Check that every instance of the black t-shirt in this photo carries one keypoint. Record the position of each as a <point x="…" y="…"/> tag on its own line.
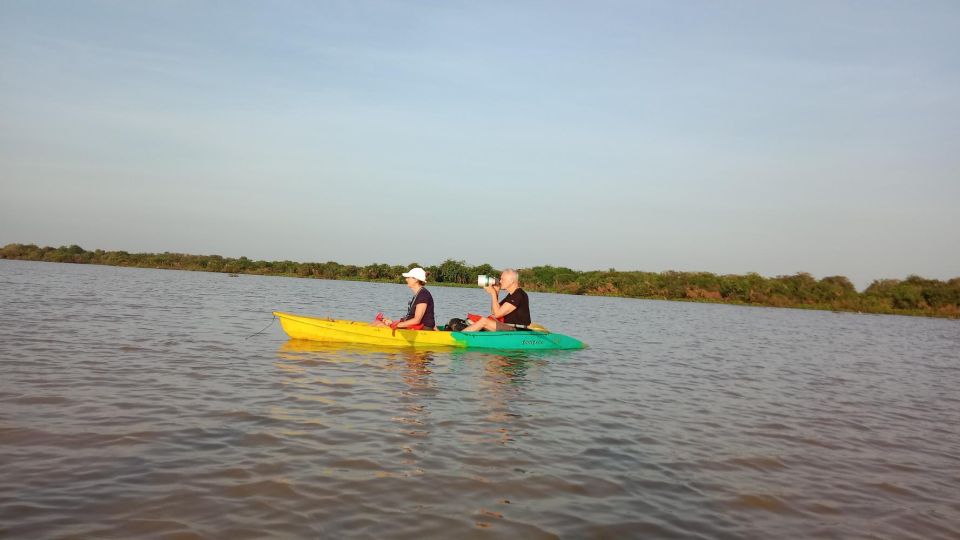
<point x="423" y="296"/>
<point x="520" y="315"/>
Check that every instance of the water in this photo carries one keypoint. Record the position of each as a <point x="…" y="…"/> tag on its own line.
<point x="132" y="405"/>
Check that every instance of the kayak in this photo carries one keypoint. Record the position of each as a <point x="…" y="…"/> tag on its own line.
<point x="318" y="329"/>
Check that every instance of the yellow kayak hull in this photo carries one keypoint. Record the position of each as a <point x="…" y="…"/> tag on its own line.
<point x="316" y="329"/>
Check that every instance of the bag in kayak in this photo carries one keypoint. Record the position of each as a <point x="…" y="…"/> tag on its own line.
<point x="456" y="325"/>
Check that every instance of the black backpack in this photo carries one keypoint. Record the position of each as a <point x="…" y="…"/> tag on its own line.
<point x="456" y="325"/>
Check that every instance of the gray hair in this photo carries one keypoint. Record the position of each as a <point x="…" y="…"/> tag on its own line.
<point x="513" y="273"/>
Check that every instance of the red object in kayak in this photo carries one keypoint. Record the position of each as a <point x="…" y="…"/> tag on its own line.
<point x="474" y="318"/>
<point x="393" y="327"/>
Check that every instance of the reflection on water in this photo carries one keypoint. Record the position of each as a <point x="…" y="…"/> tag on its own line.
<point x="512" y="369"/>
<point x="132" y="406"/>
<point x="419" y="389"/>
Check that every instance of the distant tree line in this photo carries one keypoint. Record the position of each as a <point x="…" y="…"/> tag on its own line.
<point x="911" y="296"/>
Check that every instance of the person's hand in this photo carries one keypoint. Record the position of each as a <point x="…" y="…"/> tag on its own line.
<point x="387" y="321"/>
<point x="492" y="290"/>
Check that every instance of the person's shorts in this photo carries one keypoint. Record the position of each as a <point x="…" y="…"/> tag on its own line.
<point x="504" y="327"/>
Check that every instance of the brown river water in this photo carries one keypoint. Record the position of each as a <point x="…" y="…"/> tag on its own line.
<point x="134" y="404"/>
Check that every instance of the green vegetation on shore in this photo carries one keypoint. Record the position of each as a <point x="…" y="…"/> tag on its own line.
<point x="911" y="296"/>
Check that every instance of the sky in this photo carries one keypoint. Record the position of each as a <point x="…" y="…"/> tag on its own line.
<point x="728" y="137"/>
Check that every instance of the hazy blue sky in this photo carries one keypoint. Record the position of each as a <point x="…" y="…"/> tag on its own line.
<point x="729" y="137"/>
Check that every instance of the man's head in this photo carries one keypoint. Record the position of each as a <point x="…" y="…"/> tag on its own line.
<point x="509" y="278"/>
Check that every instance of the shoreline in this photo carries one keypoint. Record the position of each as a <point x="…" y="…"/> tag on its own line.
<point x="881" y="298"/>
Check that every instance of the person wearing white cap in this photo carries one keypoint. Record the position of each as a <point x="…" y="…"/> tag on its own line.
<point x="420" y="309"/>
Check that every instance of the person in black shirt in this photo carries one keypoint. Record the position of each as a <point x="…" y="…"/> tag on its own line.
<point x="420" y="308"/>
<point x="514" y="310"/>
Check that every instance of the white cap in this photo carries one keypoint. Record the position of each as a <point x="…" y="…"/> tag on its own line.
<point x="416" y="273"/>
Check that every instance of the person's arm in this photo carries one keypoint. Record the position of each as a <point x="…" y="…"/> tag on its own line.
<point x="494" y="293"/>
<point x="496" y="310"/>
<point x="504" y="310"/>
<point x="418" y="313"/>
